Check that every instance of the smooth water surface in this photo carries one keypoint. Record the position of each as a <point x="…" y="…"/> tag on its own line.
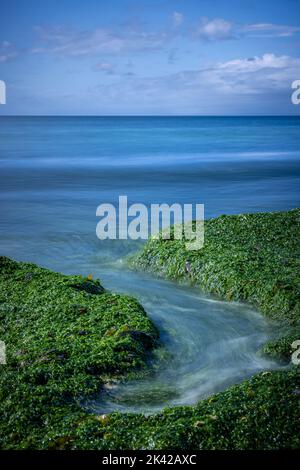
<point x="56" y="171"/>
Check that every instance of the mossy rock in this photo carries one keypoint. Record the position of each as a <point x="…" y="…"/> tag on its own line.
<point x="253" y="258"/>
<point x="54" y="327"/>
<point x="52" y="366"/>
<point x="281" y="349"/>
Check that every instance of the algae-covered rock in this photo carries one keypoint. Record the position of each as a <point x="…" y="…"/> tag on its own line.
<point x="281" y="349"/>
<point x="148" y="341"/>
<point x="52" y="364"/>
<point x="249" y="257"/>
<point x="54" y="327"/>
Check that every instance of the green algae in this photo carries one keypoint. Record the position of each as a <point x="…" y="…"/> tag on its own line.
<point x="65" y="336"/>
<point x="281" y="349"/>
<point x="253" y="258"/>
<point x="260" y="413"/>
<point x="64" y="341"/>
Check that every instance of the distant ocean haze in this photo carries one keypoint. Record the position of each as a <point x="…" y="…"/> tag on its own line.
<point x="55" y="171"/>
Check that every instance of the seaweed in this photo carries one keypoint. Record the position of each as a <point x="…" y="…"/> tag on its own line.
<point x="64" y="343"/>
<point x="253" y="258"/>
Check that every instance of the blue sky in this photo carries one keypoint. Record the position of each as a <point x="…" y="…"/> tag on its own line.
<point x="140" y="57"/>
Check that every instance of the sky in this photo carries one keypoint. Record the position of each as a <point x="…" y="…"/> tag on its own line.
<point x="149" y="57"/>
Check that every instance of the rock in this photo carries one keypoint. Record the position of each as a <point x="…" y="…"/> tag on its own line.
<point x="90" y="287"/>
<point x="147" y="340"/>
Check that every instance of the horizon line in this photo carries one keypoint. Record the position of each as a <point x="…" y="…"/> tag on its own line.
<point x="150" y="115"/>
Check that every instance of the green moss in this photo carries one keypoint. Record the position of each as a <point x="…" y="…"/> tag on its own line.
<point x="64" y="336"/>
<point x="253" y="258"/>
<point x="260" y="413"/>
<point x="281" y="349"/>
<point x="250" y="257"/>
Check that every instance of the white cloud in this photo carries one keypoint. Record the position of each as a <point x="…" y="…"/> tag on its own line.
<point x="7" y="52"/>
<point x="233" y="81"/>
<point x="270" y="29"/>
<point x="178" y="18"/>
<point x="254" y="64"/>
<point x="255" y="85"/>
<point x="98" y="41"/>
<point x="103" y="41"/>
<point x="106" y="67"/>
<point x="220" y="29"/>
<point x="134" y="38"/>
<point x="264" y="74"/>
<point x="215" y="29"/>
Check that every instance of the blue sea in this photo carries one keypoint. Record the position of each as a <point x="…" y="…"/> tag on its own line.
<point x="55" y="171"/>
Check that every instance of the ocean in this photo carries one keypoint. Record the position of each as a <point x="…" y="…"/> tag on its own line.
<point x="55" y="171"/>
